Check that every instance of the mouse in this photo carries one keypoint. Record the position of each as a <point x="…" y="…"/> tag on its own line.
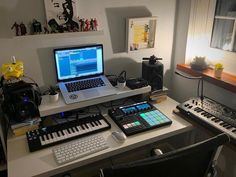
<point x="119" y="136"/>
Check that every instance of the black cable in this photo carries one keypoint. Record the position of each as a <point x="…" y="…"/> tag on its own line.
<point x="200" y="82"/>
<point x="202" y="97"/>
<point x="198" y="87"/>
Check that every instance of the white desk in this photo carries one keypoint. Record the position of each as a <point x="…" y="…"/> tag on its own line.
<point x="22" y="163"/>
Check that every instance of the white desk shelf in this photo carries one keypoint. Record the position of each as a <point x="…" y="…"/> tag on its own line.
<point x="47" y="108"/>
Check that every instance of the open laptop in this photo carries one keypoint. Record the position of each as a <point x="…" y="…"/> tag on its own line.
<point x="80" y="73"/>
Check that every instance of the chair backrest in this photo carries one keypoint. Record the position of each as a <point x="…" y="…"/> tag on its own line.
<point x="191" y="161"/>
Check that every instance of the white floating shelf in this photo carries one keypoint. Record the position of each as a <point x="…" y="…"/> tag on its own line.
<point x="61" y="35"/>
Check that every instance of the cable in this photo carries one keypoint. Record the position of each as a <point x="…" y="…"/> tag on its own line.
<point x="200" y="82"/>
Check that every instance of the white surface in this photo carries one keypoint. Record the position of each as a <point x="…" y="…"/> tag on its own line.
<point x="22" y="163"/>
<point x="47" y="108"/>
<point x="60" y="35"/>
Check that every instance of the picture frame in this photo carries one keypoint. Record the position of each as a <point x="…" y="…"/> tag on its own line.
<point x="141" y="33"/>
<point x="63" y="11"/>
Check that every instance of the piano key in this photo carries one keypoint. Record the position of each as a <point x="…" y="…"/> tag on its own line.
<point x="104" y="124"/>
<point x="90" y="128"/>
<point x="46" y="139"/>
<point x="41" y="140"/>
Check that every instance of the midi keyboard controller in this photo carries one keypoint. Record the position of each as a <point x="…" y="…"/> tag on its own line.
<point x="138" y="117"/>
<point x="211" y="113"/>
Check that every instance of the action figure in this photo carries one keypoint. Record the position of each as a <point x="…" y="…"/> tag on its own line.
<point x="91" y="25"/>
<point x="17" y="27"/>
<point x="23" y="29"/>
<point x="37" y="27"/>
<point x="95" y="24"/>
<point x="86" y="27"/>
<point x="81" y="24"/>
<point x="45" y="28"/>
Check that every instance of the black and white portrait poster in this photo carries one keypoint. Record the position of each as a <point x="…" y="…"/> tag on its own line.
<point x="63" y="11"/>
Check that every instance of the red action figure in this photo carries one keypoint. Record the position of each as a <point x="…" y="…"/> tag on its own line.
<point x="95" y="24"/>
<point x="86" y="27"/>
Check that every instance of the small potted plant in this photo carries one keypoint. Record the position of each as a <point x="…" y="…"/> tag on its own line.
<point x="218" y="68"/>
<point x="53" y="94"/>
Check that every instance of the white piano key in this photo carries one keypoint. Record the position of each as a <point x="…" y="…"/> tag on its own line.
<point x="55" y="138"/>
<point x="90" y="127"/>
<point x="41" y="140"/>
<point x="46" y="139"/>
<point x="65" y="134"/>
<point x="50" y="138"/>
<point x="104" y="124"/>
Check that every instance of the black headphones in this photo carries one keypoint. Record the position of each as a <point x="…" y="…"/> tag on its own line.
<point x="21" y="100"/>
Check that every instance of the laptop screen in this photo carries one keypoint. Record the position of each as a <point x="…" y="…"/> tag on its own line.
<point x="77" y="62"/>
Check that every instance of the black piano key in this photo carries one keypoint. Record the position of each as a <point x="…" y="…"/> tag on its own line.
<point x="86" y="126"/>
<point x="57" y="132"/>
<point x="222" y="123"/>
<point x="72" y="129"/>
<point x="99" y="122"/>
<point x="217" y="120"/>
<point x="62" y="133"/>
<point x="50" y="136"/>
<point x="93" y="124"/>
<point x="229" y="127"/>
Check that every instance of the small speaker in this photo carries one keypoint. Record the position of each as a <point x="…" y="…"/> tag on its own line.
<point x="153" y="73"/>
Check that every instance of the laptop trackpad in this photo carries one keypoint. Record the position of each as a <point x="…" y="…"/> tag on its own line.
<point x="90" y="93"/>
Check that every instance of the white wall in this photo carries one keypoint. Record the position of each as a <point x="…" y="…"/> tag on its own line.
<point x="36" y="52"/>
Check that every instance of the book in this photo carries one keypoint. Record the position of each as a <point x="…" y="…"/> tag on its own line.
<point x="163" y="91"/>
<point x="158" y="98"/>
<point x="22" y="130"/>
<point x="26" y="122"/>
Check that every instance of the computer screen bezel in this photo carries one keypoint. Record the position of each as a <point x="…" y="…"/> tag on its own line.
<point x="77" y="47"/>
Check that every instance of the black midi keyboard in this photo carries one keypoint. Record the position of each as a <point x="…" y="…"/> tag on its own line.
<point x="56" y="134"/>
<point x="211" y="113"/>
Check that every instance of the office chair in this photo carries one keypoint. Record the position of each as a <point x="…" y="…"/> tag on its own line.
<point x="196" y="160"/>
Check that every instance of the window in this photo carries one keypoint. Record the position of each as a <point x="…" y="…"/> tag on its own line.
<point x="224" y="28"/>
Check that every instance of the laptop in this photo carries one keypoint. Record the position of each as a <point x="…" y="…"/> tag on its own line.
<point x="80" y="73"/>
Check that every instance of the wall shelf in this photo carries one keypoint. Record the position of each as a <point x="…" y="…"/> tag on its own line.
<point x="61" y="35"/>
<point x="227" y="81"/>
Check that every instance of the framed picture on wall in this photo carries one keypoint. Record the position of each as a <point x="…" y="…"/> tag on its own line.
<point x="141" y="33"/>
<point x="61" y="12"/>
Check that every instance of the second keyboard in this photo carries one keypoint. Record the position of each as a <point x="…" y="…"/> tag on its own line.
<point x="49" y="136"/>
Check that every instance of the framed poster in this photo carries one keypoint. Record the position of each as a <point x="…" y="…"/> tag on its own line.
<point x="141" y="33"/>
<point x="63" y="12"/>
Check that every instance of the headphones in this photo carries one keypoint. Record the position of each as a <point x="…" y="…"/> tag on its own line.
<point x="21" y="100"/>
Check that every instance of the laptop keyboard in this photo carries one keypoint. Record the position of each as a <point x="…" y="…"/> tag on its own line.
<point x="84" y="84"/>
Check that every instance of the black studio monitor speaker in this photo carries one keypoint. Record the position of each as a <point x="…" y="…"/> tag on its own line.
<point x="152" y="71"/>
